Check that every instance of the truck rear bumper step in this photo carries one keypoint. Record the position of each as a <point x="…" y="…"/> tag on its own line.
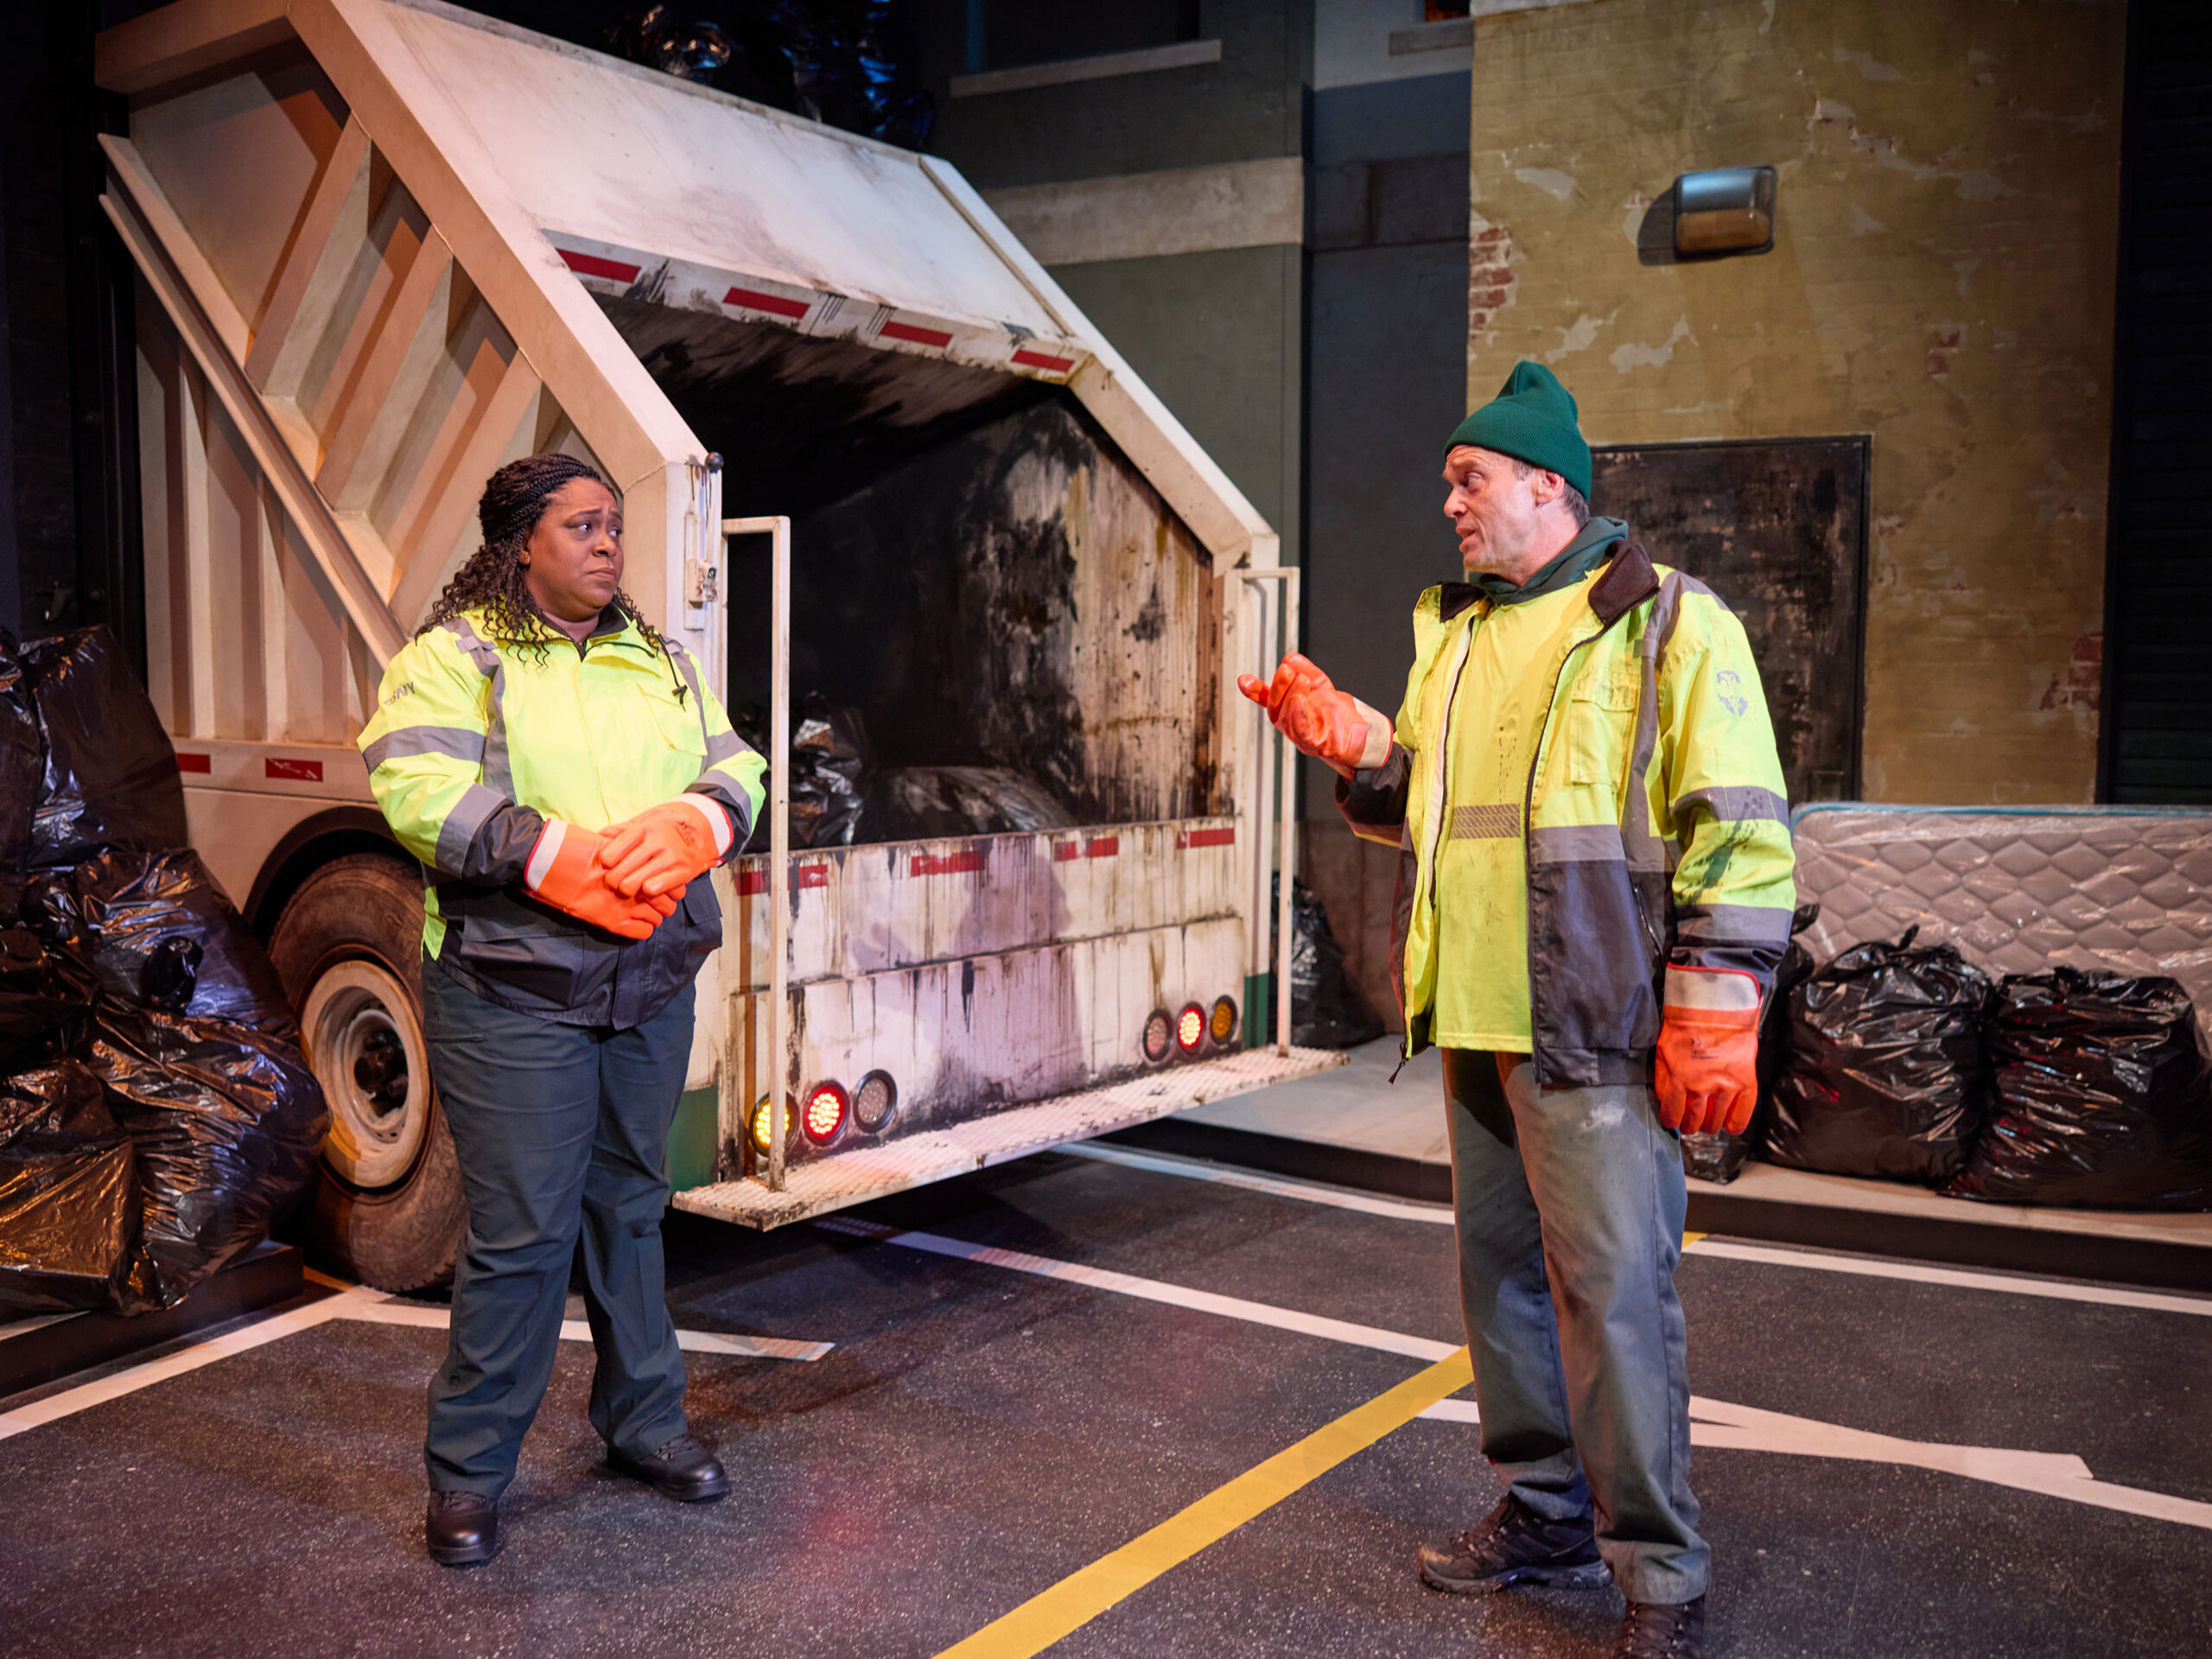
<point x="855" y="1177"/>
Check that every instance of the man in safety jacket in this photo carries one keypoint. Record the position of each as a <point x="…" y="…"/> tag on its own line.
<point x="1595" y="888"/>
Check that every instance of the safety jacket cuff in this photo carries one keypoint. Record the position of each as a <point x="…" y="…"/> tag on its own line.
<point x="1375" y="798"/>
<point x="543" y="855"/>
<point x="1712" y="991"/>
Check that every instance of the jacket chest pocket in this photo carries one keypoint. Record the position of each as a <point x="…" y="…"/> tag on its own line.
<point x="677" y="723"/>
<point x="1600" y="721"/>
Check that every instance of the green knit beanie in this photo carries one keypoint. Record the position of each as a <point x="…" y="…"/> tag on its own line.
<point x="1532" y="419"/>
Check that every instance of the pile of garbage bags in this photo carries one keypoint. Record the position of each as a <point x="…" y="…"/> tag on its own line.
<point x="156" y="1112"/>
<point x="2072" y="1087"/>
<point x="847" y="63"/>
<point x="841" y="795"/>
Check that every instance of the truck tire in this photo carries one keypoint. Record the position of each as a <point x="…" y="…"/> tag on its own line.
<point x="389" y="1210"/>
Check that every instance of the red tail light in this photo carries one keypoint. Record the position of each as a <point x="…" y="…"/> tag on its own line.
<point x="824" y="1112"/>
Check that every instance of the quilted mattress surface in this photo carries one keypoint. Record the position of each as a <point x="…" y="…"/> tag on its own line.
<point x="2018" y="890"/>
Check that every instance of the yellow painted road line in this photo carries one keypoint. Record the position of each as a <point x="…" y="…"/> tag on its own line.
<point x="1080" y="1598"/>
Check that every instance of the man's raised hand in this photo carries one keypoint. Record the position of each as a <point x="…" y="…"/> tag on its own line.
<point x="1318" y="720"/>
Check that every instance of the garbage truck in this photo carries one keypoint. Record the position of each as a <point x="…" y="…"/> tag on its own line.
<point x="868" y="451"/>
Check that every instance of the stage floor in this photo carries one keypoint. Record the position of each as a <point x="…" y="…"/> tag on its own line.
<point x="1053" y="1411"/>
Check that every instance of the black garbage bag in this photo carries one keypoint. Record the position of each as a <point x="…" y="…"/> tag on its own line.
<point x="830" y="761"/>
<point x="111" y="777"/>
<point x="832" y="766"/>
<point x="926" y="803"/>
<point x="156" y="931"/>
<point x="21" y="762"/>
<point x="2104" y="1095"/>
<point x="226" y="1124"/>
<point x="1884" y="1074"/>
<point x="46" y="1004"/>
<point x="68" y="1204"/>
<point x="1720" y="1157"/>
<point x="853" y="65"/>
<point x="1327" y="1010"/>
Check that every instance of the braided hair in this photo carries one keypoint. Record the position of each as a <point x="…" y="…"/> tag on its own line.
<point x="515" y="498"/>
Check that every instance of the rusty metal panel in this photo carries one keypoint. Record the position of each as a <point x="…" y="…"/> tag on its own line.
<point x="988" y="1031"/>
<point x="1777" y="528"/>
<point x="871" y="909"/>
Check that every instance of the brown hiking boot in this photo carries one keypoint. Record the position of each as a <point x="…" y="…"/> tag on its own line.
<point x="1662" y="1630"/>
<point x="1513" y="1545"/>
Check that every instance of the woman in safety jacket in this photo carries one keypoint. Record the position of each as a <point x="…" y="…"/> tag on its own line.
<point x="567" y="779"/>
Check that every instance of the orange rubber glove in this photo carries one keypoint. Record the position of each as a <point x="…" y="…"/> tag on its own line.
<point x="562" y="871"/>
<point x="664" y="846"/>
<point x="1707" y="1073"/>
<point x="1318" y="720"/>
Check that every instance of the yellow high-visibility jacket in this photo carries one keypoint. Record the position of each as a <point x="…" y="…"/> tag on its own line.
<point x="1655" y="830"/>
<point x="477" y="742"/>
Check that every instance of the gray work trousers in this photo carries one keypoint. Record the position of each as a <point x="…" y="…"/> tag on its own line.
<point x="559" y="1131"/>
<point x="1570" y="1205"/>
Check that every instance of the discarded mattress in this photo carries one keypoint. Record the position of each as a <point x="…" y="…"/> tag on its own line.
<point x="2126" y="890"/>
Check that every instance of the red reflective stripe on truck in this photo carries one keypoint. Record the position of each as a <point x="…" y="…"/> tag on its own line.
<point x="590" y="264"/>
<point x="304" y="771"/>
<point x="1096" y="846"/>
<point x="195" y="763"/>
<point x="753" y="299"/>
<point x="919" y="336"/>
<point x="802" y="876"/>
<point x="965" y="863"/>
<point x="1225" y="836"/>
<point x="1030" y="359"/>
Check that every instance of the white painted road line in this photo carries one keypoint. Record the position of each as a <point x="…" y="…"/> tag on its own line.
<point x="1312" y="1192"/>
<point x="430" y="1317"/>
<point x="70" y="1401"/>
<point x="357" y="1303"/>
<point x="1770" y="1256"/>
<point x="2051" y="1290"/>
<point x="1152" y="1290"/>
<point x="1716" y="1423"/>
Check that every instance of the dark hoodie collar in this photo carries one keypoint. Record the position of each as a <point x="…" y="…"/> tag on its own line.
<point x="1627" y="581"/>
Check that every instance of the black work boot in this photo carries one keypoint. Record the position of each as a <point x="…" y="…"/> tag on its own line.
<point x="1662" y="1630"/>
<point x="1513" y="1545"/>
<point x="463" y="1528"/>
<point x="682" y="1469"/>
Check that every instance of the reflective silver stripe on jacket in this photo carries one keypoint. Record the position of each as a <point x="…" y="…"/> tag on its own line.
<point x="1732" y="924"/>
<point x="470" y="813"/>
<point x="1737" y="804"/>
<point x="457" y="742"/>
<point x="498" y="771"/>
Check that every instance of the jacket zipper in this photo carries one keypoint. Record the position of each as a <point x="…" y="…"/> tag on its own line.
<point x="1440" y="794"/>
<point x="1528" y="811"/>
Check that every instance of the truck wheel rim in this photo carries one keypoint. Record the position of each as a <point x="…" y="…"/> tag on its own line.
<point x="364" y="1045"/>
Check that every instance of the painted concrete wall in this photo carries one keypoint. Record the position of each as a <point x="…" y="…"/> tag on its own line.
<point x="1214" y="326"/>
<point x="1942" y="278"/>
<point x="1385" y="373"/>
